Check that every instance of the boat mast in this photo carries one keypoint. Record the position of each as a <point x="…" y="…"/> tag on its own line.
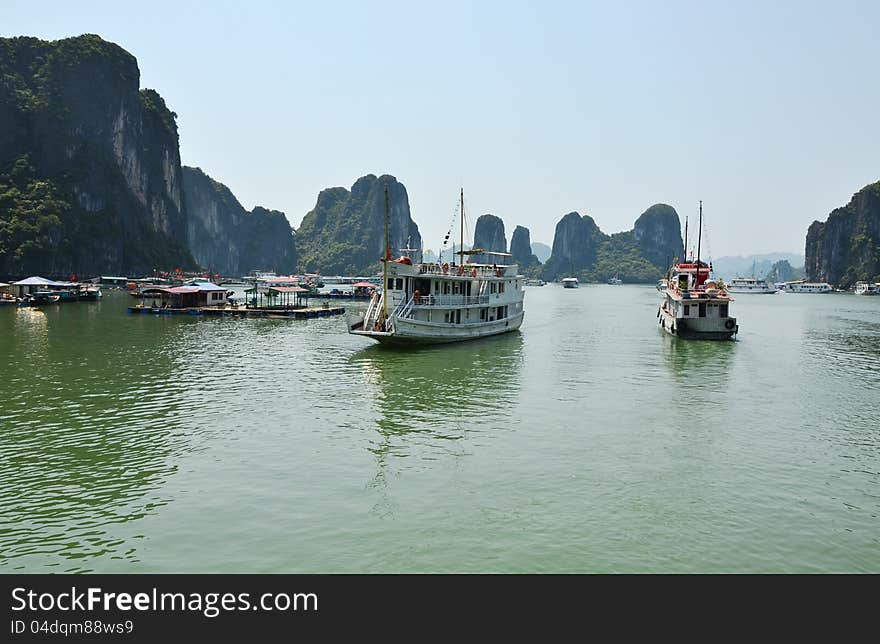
<point x="685" y="258"/>
<point x="385" y="263"/>
<point x="699" y="237"/>
<point x="461" y="246"/>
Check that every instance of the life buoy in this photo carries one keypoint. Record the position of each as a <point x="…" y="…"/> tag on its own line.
<point x="729" y="324"/>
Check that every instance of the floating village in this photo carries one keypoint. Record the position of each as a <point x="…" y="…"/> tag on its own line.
<point x="479" y="293"/>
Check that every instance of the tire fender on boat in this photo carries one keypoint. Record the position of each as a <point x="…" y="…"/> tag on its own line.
<point x="729" y="324"/>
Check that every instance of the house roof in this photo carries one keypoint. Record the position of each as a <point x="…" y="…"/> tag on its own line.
<point x="36" y="281"/>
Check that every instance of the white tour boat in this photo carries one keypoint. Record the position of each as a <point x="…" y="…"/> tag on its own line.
<point x="695" y="307"/>
<point x="802" y="286"/>
<point x="866" y="288"/>
<point x="570" y="282"/>
<point x="615" y="281"/>
<point x="435" y="303"/>
<point x="661" y="285"/>
<point x="750" y="285"/>
<point x="535" y="282"/>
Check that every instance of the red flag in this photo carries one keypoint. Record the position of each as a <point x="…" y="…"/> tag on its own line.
<point x="73" y="277"/>
<point x="388" y="253"/>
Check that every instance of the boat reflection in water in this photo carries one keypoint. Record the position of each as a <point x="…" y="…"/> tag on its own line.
<point x="426" y="402"/>
<point x="703" y="364"/>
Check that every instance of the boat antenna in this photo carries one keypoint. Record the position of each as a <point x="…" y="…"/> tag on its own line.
<point x="461" y="247"/>
<point x="385" y="264"/>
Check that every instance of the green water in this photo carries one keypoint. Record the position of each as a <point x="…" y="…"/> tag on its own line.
<point x="588" y="441"/>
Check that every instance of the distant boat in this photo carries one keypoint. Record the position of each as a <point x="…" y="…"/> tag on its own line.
<point x="616" y="279"/>
<point x="570" y="282"/>
<point x="661" y="285"/>
<point x="866" y="288"/>
<point x="535" y="282"/>
<point x="802" y="286"/>
<point x="750" y="285"/>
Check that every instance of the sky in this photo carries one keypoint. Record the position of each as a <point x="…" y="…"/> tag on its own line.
<point x="765" y="111"/>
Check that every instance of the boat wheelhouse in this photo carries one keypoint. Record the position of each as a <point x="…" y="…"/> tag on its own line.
<point x="432" y="303"/>
<point x="750" y="285"/>
<point x="570" y="282"/>
<point x="866" y="288"/>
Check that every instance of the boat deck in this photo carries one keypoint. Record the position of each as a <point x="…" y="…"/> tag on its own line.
<point x="242" y="312"/>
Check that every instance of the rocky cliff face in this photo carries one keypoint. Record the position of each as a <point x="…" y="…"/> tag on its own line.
<point x="489" y="234"/>
<point x="574" y="246"/>
<point x="846" y="248"/>
<point x="344" y="233"/>
<point x="658" y="234"/>
<point x="89" y="162"/>
<point x="521" y="248"/>
<point x="227" y="239"/>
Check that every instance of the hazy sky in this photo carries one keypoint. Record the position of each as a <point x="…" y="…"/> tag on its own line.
<point x="767" y="111"/>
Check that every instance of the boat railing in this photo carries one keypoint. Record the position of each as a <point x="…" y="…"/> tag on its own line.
<point x="467" y="270"/>
<point x="450" y="300"/>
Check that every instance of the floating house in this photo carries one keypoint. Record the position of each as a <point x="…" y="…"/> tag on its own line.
<point x="192" y="295"/>
<point x="39" y="290"/>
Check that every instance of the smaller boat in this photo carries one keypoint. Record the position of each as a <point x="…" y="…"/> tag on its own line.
<point x="39" y="298"/>
<point x="696" y="307"/>
<point x="533" y="282"/>
<point x="866" y="288"/>
<point x="661" y="285"/>
<point x="750" y="285"/>
<point x="615" y="281"/>
<point x="570" y="282"/>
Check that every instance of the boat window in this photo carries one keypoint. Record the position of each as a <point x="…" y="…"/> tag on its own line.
<point x="399" y="283"/>
<point x="390" y="283"/>
<point x="458" y="316"/>
<point x="501" y="287"/>
<point x="723" y="310"/>
<point x="687" y="309"/>
<point x="702" y="309"/>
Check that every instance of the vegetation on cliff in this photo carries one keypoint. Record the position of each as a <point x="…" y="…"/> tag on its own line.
<point x="89" y="163"/>
<point x="846" y="248"/>
<point x="344" y="233"/>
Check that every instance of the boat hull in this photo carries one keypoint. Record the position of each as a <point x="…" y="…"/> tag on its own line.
<point x="697" y="328"/>
<point x="408" y="333"/>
